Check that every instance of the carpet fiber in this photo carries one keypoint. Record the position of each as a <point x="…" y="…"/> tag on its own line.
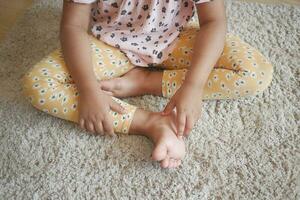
<point x="246" y="148"/>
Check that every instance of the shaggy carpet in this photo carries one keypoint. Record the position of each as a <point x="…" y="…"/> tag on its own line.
<point x="246" y="148"/>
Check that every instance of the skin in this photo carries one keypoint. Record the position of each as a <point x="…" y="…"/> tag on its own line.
<point x="163" y="127"/>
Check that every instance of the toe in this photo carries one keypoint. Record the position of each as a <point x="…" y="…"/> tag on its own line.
<point x="165" y="163"/>
<point x="159" y="153"/>
<point x="171" y="163"/>
<point x="177" y="163"/>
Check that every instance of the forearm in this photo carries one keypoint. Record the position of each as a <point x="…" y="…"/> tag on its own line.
<point x="77" y="55"/>
<point x="208" y="47"/>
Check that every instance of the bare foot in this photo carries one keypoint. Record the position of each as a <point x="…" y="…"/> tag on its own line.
<point x="136" y="82"/>
<point x="169" y="149"/>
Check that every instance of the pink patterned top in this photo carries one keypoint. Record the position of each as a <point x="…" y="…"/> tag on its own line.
<point x="145" y="30"/>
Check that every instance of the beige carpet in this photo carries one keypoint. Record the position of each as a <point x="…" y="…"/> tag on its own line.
<point x="241" y="149"/>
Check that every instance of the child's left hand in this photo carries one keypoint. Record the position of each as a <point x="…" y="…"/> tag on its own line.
<point x="188" y="103"/>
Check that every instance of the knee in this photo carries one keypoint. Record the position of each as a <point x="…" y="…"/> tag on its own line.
<point x="266" y="72"/>
<point x="35" y="85"/>
<point x="258" y="67"/>
<point x="259" y="77"/>
<point x="28" y="83"/>
<point x="254" y="71"/>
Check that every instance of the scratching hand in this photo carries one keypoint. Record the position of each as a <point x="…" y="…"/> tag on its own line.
<point x="188" y="103"/>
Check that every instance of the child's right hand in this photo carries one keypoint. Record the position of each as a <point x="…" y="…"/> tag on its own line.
<point x="94" y="107"/>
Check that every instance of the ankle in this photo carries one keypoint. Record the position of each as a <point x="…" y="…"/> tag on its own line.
<point x="140" y="122"/>
<point x="145" y="80"/>
<point x="152" y="82"/>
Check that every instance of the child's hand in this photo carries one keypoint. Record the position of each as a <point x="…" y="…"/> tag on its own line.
<point x="94" y="107"/>
<point x="188" y="103"/>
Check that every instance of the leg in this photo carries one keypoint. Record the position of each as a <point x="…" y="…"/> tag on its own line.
<point x="161" y="130"/>
<point x="50" y="88"/>
<point x="136" y="82"/>
<point x="240" y="71"/>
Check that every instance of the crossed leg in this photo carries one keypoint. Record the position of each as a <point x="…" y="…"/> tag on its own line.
<point x="50" y="88"/>
<point x="240" y="71"/>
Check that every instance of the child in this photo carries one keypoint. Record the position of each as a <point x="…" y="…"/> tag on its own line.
<point x="127" y="37"/>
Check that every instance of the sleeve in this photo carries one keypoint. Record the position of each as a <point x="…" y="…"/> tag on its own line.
<point x="82" y="1"/>
<point x="201" y="1"/>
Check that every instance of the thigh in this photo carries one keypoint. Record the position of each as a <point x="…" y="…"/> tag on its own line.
<point x="241" y="70"/>
<point x="181" y="55"/>
<point x="108" y="61"/>
<point x="50" y="88"/>
<point x="61" y="100"/>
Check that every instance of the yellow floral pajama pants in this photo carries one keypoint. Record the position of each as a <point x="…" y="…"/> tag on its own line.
<point x="240" y="71"/>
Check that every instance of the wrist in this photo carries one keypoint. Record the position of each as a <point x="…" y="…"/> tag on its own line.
<point x="196" y="79"/>
<point x="89" y="88"/>
<point x="199" y="86"/>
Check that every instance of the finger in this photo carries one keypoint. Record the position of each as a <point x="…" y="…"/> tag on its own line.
<point x="106" y="85"/>
<point x="188" y="125"/>
<point x="99" y="128"/>
<point x="168" y="109"/>
<point x="89" y="126"/>
<point x="181" y="118"/>
<point x="108" y="126"/>
<point x="117" y="107"/>
<point x="81" y="123"/>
